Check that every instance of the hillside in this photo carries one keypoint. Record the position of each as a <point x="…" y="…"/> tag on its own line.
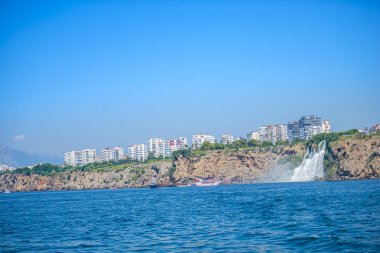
<point x="348" y="157"/>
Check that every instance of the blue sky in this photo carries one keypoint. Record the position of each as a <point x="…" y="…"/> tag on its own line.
<point x="78" y="74"/>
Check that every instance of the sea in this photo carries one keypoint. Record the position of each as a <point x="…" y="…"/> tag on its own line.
<point x="333" y="216"/>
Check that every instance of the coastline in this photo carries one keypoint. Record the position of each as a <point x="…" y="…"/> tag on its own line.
<point x="348" y="158"/>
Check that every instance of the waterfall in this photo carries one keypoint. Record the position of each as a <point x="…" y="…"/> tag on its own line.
<point x="312" y="164"/>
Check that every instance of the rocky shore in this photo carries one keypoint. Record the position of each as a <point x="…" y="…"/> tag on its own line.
<point x="348" y="158"/>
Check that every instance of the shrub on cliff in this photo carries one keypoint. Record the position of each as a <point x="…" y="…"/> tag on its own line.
<point x="266" y="144"/>
<point x="186" y="153"/>
<point x="329" y="137"/>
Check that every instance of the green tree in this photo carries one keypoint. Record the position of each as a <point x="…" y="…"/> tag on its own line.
<point x="240" y="143"/>
<point x="266" y="144"/>
<point x="281" y="143"/>
<point x="186" y="153"/>
<point x="206" y="146"/>
<point x="253" y="143"/>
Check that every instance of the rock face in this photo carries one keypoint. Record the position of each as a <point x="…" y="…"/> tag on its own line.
<point x="348" y="158"/>
<point x="134" y="176"/>
<point x="243" y="166"/>
<point x="355" y="158"/>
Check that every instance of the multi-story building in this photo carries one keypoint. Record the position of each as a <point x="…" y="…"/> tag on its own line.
<point x="80" y="157"/>
<point x="199" y="139"/>
<point x="253" y="136"/>
<point x="4" y="167"/>
<point x="310" y="126"/>
<point x="326" y="126"/>
<point x="138" y="152"/>
<point x="170" y="147"/>
<point x="89" y="155"/>
<point x="164" y="148"/>
<point x="264" y="134"/>
<point x="272" y="133"/>
<point x="106" y="154"/>
<point x="374" y="129"/>
<point x="294" y="130"/>
<point x="69" y="158"/>
<point x="281" y="133"/>
<point x="306" y="127"/>
<point x="118" y="153"/>
<point x="182" y="143"/>
<point x="227" y="139"/>
<point x="115" y="153"/>
<point x="156" y="147"/>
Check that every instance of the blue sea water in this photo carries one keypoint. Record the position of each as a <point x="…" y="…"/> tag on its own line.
<point x="283" y="217"/>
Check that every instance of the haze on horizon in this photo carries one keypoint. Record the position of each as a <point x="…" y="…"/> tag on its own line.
<point x="91" y="74"/>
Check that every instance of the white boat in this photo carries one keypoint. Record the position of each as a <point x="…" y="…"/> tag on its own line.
<point x="207" y="182"/>
<point x="153" y="183"/>
<point x="7" y="191"/>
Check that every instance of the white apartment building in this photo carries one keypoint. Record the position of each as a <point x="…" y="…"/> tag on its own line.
<point x="156" y="147"/>
<point x="272" y="133"/>
<point x="138" y="152"/>
<point x="170" y="147"/>
<point x="80" y="157"/>
<point x="115" y="153"/>
<point x="227" y="139"/>
<point x="106" y="155"/>
<point x="253" y="136"/>
<point x="89" y="155"/>
<point x="118" y="153"/>
<point x="263" y="134"/>
<point x="326" y="126"/>
<point x="182" y="143"/>
<point x="281" y="133"/>
<point x="160" y="147"/>
<point x="4" y="167"/>
<point x="199" y="139"/>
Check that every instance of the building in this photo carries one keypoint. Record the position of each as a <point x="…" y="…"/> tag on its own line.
<point x="115" y="153"/>
<point x="306" y="127"/>
<point x="281" y="133"/>
<point x="4" y="167"/>
<point x="79" y="157"/>
<point x="182" y="143"/>
<point x="156" y="147"/>
<point x="227" y="139"/>
<point x="138" y="152"/>
<point x="118" y="153"/>
<point x="199" y="139"/>
<point x="272" y="133"/>
<point x="374" y="129"/>
<point x="310" y="126"/>
<point x="89" y="155"/>
<point x="326" y="126"/>
<point x="170" y="147"/>
<point x="294" y="131"/>
<point x="253" y="136"/>
<point x="263" y="134"/>
<point x="106" y="155"/>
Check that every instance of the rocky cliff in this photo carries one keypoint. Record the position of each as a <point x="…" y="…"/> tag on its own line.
<point x="129" y="177"/>
<point x="354" y="158"/>
<point x="347" y="158"/>
<point x="242" y="166"/>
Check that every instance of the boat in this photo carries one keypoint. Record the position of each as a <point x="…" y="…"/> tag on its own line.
<point x="185" y="185"/>
<point x="153" y="183"/>
<point x="207" y="182"/>
<point x="7" y="191"/>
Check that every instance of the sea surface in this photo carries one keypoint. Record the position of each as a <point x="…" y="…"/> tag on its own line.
<point x="339" y="216"/>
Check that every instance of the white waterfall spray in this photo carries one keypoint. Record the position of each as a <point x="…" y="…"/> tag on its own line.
<point x="312" y="165"/>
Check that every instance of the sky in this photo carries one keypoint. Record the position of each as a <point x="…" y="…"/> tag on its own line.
<point x="91" y="74"/>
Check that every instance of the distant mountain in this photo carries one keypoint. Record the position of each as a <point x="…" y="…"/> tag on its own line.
<point x="17" y="158"/>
